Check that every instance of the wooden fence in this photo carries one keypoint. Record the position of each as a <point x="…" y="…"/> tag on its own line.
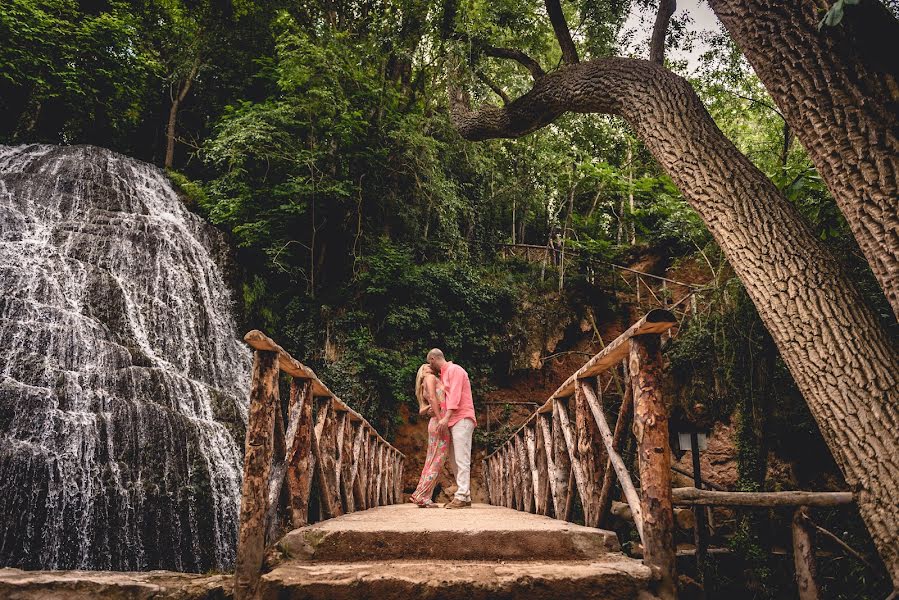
<point x="646" y="290"/>
<point x="566" y="450"/>
<point x="309" y="458"/>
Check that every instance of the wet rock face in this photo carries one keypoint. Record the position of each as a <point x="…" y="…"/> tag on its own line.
<point x="123" y="384"/>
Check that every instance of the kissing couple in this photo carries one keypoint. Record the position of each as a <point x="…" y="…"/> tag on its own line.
<point x="443" y="391"/>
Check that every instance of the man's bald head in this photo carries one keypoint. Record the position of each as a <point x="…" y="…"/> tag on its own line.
<point x="436" y="360"/>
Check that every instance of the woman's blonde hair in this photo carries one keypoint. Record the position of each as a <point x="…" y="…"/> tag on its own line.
<point x="423" y="371"/>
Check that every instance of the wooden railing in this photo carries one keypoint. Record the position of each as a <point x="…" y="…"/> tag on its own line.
<point x="646" y="290"/>
<point x="567" y="448"/>
<point x="307" y="459"/>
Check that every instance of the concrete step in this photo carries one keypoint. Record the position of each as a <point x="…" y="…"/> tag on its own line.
<point x="613" y="577"/>
<point x="482" y="532"/>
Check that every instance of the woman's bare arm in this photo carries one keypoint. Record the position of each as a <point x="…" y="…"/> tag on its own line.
<point x="431" y="395"/>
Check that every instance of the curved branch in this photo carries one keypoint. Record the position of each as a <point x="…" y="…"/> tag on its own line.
<point x="518" y="56"/>
<point x="495" y="88"/>
<point x="660" y="30"/>
<point x="560" y="26"/>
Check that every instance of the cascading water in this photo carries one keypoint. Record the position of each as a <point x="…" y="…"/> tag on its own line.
<point x="122" y="383"/>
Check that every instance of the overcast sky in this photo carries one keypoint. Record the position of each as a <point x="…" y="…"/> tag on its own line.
<point x="703" y="19"/>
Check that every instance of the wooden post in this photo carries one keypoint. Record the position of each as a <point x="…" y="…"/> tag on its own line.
<point x="804" y="555"/>
<point x="527" y="479"/>
<point x="562" y="463"/>
<point x="621" y="427"/>
<point x="257" y="466"/>
<point x="301" y="464"/>
<point x="654" y="458"/>
<point x="557" y="479"/>
<point x="592" y="455"/>
<point x="700" y="530"/>
<point x="577" y="468"/>
<point x="627" y="486"/>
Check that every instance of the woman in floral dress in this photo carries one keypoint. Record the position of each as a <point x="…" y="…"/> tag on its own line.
<point x="429" y="393"/>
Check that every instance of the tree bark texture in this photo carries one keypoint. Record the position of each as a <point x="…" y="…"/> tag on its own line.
<point x="653" y="459"/>
<point x="257" y="465"/>
<point x="840" y="357"/>
<point x="838" y="88"/>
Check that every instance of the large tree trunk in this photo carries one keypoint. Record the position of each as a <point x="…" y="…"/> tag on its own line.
<point x="838" y="89"/>
<point x="840" y="357"/>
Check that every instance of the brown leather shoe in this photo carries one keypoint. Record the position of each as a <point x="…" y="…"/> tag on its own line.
<point x="456" y="503"/>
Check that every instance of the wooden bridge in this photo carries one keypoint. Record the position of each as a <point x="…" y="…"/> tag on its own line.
<point x="312" y="464"/>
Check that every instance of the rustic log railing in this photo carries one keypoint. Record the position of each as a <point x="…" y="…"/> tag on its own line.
<point x="310" y="458"/>
<point x="646" y="290"/>
<point x="567" y="449"/>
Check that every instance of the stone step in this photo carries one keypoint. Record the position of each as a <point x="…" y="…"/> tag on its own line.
<point x="613" y="577"/>
<point x="482" y="532"/>
<point x="16" y="584"/>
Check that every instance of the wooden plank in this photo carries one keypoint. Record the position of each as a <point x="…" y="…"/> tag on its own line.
<point x="577" y="468"/>
<point x="804" y="556"/>
<point x="324" y="448"/>
<point x="258" y="449"/>
<point x="527" y="480"/>
<point x="509" y="476"/>
<point x="556" y="478"/>
<point x="624" y="477"/>
<point x="259" y="341"/>
<point x="357" y="476"/>
<point x="543" y="474"/>
<point x="562" y="461"/>
<point x="284" y="453"/>
<point x="692" y="496"/>
<point x="654" y="460"/>
<point x="621" y="427"/>
<point x="591" y="453"/>
<point x="301" y="464"/>
<point x="379" y="477"/>
<point x="345" y="461"/>
<point x="538" y="484"/>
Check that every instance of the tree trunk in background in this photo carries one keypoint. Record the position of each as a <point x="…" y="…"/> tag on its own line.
<point x="173" y="115"/>
<point x="838" y="89"/>
<point x="838" y="353"/>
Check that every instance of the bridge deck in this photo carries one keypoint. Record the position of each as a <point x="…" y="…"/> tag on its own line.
<point x="405" y="552"/>
<point x="396" y="552"/>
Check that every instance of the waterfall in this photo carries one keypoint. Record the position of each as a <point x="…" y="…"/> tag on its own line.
<point x="123" y="384"/>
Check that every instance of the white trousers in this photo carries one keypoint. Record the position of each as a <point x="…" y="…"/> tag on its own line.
<point x="460" y="457"/>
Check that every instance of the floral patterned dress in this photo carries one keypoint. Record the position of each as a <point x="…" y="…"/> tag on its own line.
<point x="438" y="449"/>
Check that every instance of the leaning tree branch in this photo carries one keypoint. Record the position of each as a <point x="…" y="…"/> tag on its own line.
<point x="495" y="88"/>
<point x="563" y="34"/>
<point x="660" y="30"/>
<point x="518" y="56"/>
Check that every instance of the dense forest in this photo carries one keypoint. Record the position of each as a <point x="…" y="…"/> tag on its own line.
<point x="335" y="144"/>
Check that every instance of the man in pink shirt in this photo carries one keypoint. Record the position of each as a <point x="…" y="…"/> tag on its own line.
<point x="460" y="420"/>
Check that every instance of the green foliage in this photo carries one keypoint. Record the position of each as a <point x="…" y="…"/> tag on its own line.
<point x="834" y="14"/>
<point x="86" y="74"/>
<point x="399" y="310"/>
